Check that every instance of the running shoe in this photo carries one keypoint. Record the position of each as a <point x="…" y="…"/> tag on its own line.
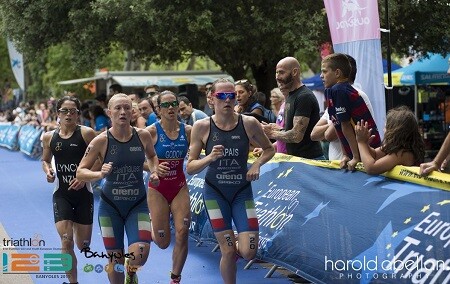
<point x="130" y="278"/>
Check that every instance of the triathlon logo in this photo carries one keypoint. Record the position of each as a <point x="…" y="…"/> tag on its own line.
<point x="113" y="150"/>
<point x="162" y="138"/>
<point x="58" y="146"/>
<point x="215" y="136"/>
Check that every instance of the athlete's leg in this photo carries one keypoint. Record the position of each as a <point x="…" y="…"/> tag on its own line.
<point x="65" y="231"/>
<point x="137" y="256"/>
<point x="244" y="217"/>
<point x="112" y="229"/>
<point x="181" y="213"/>
<point x="83" y="220"/>
<point x="137" y="226"/>
<point x="248" y="244"/>
<point x="227" y="245"/>
<point x="83" y="235"/>
<point x="218" y="209"/>
<point x="160" y="215"/>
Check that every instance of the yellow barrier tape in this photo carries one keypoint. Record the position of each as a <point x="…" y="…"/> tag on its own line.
<point x="409" y="174"/>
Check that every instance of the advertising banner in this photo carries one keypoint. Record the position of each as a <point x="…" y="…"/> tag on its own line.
<point x="329" y="225"/>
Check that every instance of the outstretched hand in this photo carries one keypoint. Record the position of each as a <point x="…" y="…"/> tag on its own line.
<point x="362" y="132"/>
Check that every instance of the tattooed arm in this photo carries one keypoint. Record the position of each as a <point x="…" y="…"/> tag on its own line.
<point x="294" y="135"/>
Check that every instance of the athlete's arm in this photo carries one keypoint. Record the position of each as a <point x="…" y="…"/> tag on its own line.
<point x="199" y="133"/>
<point x="93" y="152"/>
<point x="256" y="135"/>
<point x="152" y="158"/>
<point x="47" y="157"/>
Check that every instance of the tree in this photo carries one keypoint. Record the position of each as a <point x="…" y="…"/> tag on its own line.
<point x="418" y="26"/>
<point x="242" y="36"/>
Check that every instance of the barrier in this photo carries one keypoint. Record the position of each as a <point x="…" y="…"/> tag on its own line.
<point x="25" y="138"/>
<point x="328" y="225"/>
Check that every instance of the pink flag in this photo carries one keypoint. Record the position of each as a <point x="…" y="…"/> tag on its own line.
<point x="352" y="20"/>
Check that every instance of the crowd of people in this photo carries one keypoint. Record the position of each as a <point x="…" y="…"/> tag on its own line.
<point x="121" y="136"/>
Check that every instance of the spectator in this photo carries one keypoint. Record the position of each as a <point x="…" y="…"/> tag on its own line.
<point x="301" y="113"/>
<point x="402" y="143"/>
<point x="346" y="107"/>
<point x="147" y="111"/>
<point x="99" y="119"/>
<point x="114" y="89"/>
<point x="188" y="113"/>
<point x="209" y="107"/>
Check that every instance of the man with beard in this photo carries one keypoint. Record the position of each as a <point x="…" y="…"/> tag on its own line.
<point x="300" y="115"/>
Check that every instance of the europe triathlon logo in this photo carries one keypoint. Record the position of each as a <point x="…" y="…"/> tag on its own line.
<point x="29" y="255"/>
<point x="35" y="241"/>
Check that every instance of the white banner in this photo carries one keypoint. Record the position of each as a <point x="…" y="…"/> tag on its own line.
<point x="17" y="65"/>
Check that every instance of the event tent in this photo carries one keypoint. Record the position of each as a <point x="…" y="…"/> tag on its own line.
<point x="425" y="71"/>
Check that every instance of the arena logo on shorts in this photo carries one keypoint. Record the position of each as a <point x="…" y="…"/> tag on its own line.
<point x="129" y="194"/>
<point x="229" y="178"/>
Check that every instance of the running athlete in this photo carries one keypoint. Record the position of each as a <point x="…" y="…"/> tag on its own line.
<point x="73" y="203"/>
<point x="228" y="195"/>
<point x="171" y="140"/>
<point x="122" y="150"/>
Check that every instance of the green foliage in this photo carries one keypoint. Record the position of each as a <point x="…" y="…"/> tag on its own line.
<point x="417" y="26"/>
<point x="245" y="38"/>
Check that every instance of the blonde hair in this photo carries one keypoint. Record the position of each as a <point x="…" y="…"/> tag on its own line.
<point x="118" y="96"/>
<point x="278" y="92"/>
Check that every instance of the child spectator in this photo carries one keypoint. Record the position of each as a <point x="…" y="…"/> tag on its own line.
<point x="402" y="143"/>
<point x="346" y="107"/>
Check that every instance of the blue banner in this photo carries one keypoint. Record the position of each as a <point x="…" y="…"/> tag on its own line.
<point x="334" y="226"/>
<point x="9" y="135"/>
<point x="29" y="140"/>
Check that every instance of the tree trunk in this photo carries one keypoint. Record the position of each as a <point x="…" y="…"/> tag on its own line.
<point x="264" y="75"/>
<point x="191" y="64"/>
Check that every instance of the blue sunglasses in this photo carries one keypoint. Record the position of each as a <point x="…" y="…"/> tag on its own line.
<point x="225" y="95"/>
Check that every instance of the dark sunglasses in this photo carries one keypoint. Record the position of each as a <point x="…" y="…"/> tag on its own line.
<point x="169" y="104"/>
<point x="66" y="110"/>
<point x="225" y="95"/>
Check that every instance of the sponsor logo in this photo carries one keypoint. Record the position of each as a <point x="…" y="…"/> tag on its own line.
<point x="235" y="137"/>
<point x="340" y="110"/>
<point x="135" y="149"/>
<point x="352" y="15"/>
<point x="73" y="145"/>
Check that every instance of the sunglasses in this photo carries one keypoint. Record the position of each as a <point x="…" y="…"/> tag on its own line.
<point x="243" y="81"/>
<point x="225" y="95"/>
<point x="66" y="111"/>
<point x="169" y="104"/>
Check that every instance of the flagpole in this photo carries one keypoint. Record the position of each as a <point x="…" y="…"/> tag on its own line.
<point x="390" y="95"/>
